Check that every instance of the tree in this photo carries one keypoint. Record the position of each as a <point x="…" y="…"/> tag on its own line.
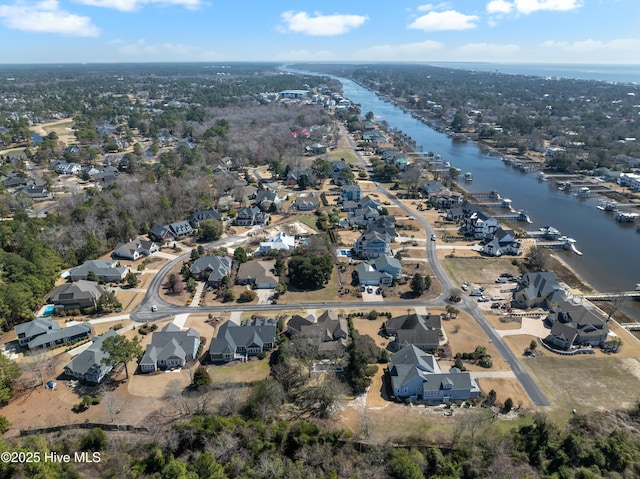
<point x="131" y="279"/>
<point x="8" y="373"/>
<point x="311" y="271"/>
<point x="119" y="349"/>
<point x="508" y="405"/>
<point x="240" y="255"/>
<point x="210" y="230"/>
<point x="346" y="177"/>
<point x="533" y="344"/>
<point x="418" y="285"/>
<point x="459" y="122"/>
<point x="201" y="378"/>
<point x="304" y="182"/>
<point x="247" y="296"/>
<point x="108" y="302"/>
<point x="321" y="168"/>
<point x="537" y="259"/>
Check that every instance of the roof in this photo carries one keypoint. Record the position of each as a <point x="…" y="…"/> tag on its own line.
<point x="78" y="290"/>
<point x="91" y="359"/>
<point x="258" y="270"/>
<point x="60" y="335"/>
<point x="218" y="266"/>
<point x="231" y="335"/>
<point x="36" y="327"/>
<point x="170" y="342"/>
<point x="101" y="268"/>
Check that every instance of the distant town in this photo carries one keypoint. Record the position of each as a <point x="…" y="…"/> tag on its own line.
<point x="237" y="272"/>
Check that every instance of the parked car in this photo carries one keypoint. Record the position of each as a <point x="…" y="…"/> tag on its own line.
<point x="475" y="292"/>
<point x="369" y="289"/>
<point x="483" y="299"/>
<point x="154" y="308"/>
<point x="465" y="287"/>
<point x="378" y="291"/>
<point x="433" y="237"/>
<point x="501" y="280"/>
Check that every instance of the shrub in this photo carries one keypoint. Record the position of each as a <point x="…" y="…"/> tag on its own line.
<point x="247" y="296"/>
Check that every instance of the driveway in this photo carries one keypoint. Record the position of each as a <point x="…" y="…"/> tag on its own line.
<point x="264" y="295"/>
<point x="534" y="327"/>
<point x="371" y="297"/>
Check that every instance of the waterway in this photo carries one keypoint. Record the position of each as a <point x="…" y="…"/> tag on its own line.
<point x="610" y="260"/>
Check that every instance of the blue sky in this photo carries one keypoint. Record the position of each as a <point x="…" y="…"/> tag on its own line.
<point x="541" y="31"/>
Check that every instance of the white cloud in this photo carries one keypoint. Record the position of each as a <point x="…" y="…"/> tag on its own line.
<point x="530" y="6"/>
<point x="140" y="48"/>
<point x="447" y="20"/>
<point x="133" y="5"/>
<point x="305" y="55"/>
<point x="427" y="7"/>
<point x="620" y="46"/>
<point x="407" y="51"/>
<point x="500" y="7"/>
<point x="46" y="17"/>
<point x="486" y="51"/>
<point x="325" y="25"/>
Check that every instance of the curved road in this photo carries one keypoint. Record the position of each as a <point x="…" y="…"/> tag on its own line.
<point x="143" y="312"/>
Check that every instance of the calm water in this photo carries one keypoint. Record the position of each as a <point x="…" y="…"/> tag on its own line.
<point x="610" y="260"/>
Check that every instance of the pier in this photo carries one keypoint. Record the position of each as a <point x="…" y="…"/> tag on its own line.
<point x="568" y="243"/>
<point x="486" y="195"/>
<point x="520" y="216"/>
<point x="611" y="296"/>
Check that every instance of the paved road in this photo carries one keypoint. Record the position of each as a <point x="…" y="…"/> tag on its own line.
<point x="144" y="313"/>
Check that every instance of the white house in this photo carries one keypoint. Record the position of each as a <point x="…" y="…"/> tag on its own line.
<point x="280" y="242"/>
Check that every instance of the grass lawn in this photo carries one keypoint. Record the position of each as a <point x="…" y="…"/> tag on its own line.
<point x="346" y="154"/>
<point x="326" y="294"/>
<point x="586" y="382"/>
<point x="309" y="220"/>
<point x="477" y="269"/>
<point x="239" y="372"/>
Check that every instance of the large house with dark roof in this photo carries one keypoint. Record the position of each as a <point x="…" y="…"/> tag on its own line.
<point x="250" y="217"/>
<point x="171" y="231"/>
<point x="574" y="325"/>
<point x="202" y="215"/>
<point x="423" y="331"/>
<point x="211" y="269"/>
<point x="239" y="341"/>
<point x="329" y="330"/>
<point x="46" y="333"/>
<point x="416" y="375"/>
<point x="538" y="290"/>
<point x="90" y="365"/>
<point x="78" y="295"/>
<point x="104" y="270"/>
<point x="381" y="270"/>
<point x="170" y="348"/>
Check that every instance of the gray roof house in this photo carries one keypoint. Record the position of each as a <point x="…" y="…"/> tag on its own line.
<point x="330" y="330"/>
<point x="45" y="333"/>
<point x="306" y="202"/>
<point x="250" y="217"/>
<point x="211" y="268"/>
<point x="372" y="244"/>
<point x="134" y="250"/>
<point x="257" y="273"/>
<point x="80" y="294"/>
<point x="88" y="365"/>
<point x="382" y="270"/>
<point x="501" y="242"/>
<point x="575" y="325"/>
<point x="239" y="341"/>
<point x="351" y="192"/>
<point x="416" y="329"/>
<point x="202" y="215"/>
<point x="105" y="270"/>
<point x="171" y="231"/>
<point x="538" y="290"/>
<point x="170" y="348"/>
<point x="416" y="375"/>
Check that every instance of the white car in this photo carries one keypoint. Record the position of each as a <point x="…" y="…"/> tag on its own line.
<point x="483" y="299"/>
<point x="501" y="280"/>
<point x="433" y="237"/>
<point x="154" y="308"/>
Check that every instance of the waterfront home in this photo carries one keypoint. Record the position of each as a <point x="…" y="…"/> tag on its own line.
<point x="415" y="375"/>
<point x="574" y="325"/>
<point x="501" y="242"/>
<point x="536" y="290"/>
<point x="480" y="224"/>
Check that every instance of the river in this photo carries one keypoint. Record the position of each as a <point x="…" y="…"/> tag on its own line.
<point x="610" y="260"/>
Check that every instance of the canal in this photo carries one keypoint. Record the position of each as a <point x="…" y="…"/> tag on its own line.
<point x="610" y="260"/>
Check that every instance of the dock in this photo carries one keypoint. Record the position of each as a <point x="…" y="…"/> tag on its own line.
<point x="568" y="243"/>
<point x="612" y="296"/>
<point x="519" y="216"/>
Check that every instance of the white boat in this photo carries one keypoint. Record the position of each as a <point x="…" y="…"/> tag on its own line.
<point x="583" y="192"/>
<point x="542" y="177"/>
<point x="468" y="176"/>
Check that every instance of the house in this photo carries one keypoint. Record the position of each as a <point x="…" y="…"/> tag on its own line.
<point x="170" y="348"/>
<point x="257" y="273"/>
<point x="36" y="192"/>
<point x="104" y="270"/>
<point x="330" y="331"/>
<point x="416" y="375"/>
<point x="45" y="333"/>
<point x="32" y="329"/>
<point x="362" y="216"/>
<point x="171" y="231"/>
<point x="574" y="325"/>
<point x="306" y="202"/>
<point x="480" y="224"/>
<point x="502" y="242"/>
<point x="376" y="238"/>
<point x="134" y="250"/>
<point x="244" y="193"/>
<point x="431" y="187"/>
<point x="211" y="269"/>
<point x="351" y="193"/>
<point x="293" y="175"/>
<point x="266" y="198"/>
<point x="420" y="330"/>
<point x="536" y="290"/>
<point x="202" y="215"/>
<point x="280" y="242"/>
<point x="336" y="168"/>
<point x="250" y="217"/>
<point x="382" y="270"/>
<point x="78" y="295"/>
<point x="90" y="365"/>
<point x="316" y="149"/>
<point x="239" y="341"/>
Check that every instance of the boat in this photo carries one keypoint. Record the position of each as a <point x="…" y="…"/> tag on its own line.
<point x="542" y="177"/>
<point x="583" y="192"/>
<point x="607" y="205"/>
<point x="625" y="217"/>
<point x="564" y="186"/>
<point x="468" y="176"/>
